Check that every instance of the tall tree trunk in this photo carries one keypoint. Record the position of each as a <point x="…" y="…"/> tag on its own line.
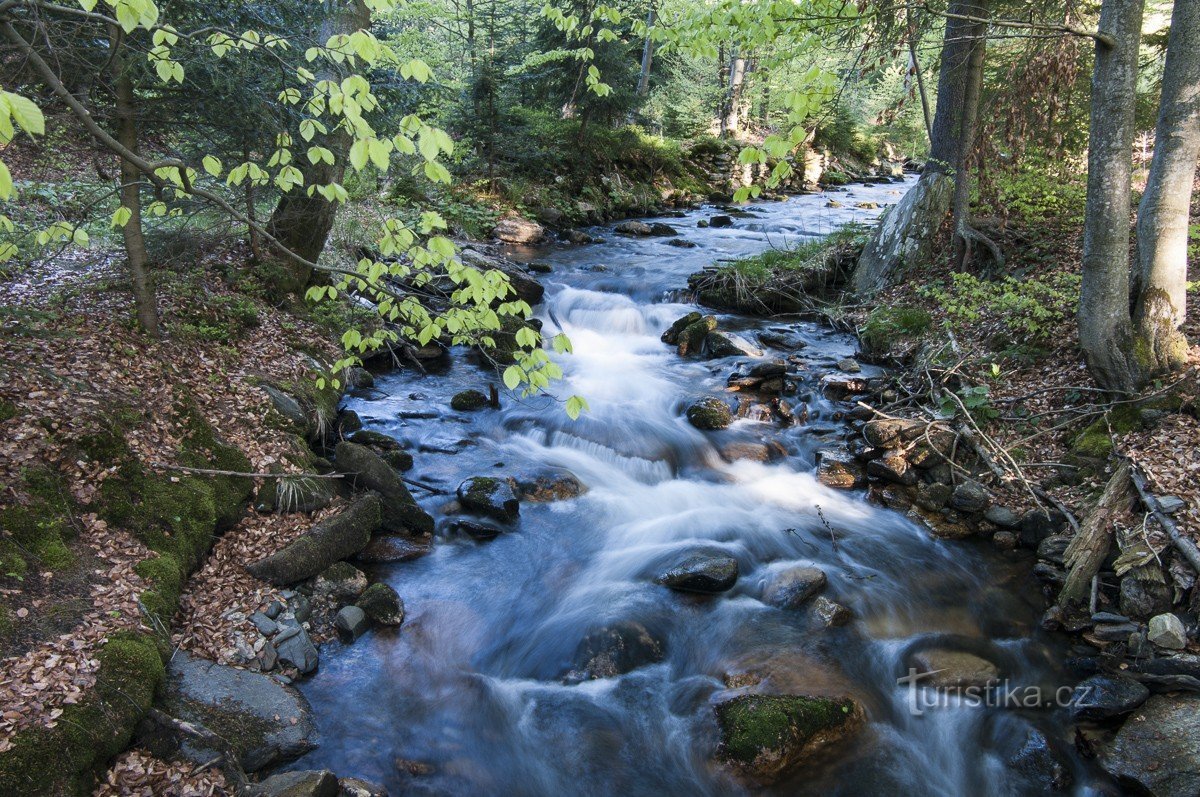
<point x="144" y="299"/>
<point x="301" y="222"/>
<point x="905" y="234"/>
<point x="1105" y="326"/>
<point x="733" y="97"/>
<point x="964" y="235"/>
<point x="1162" y="227"/>
<point x="647" y="56"/>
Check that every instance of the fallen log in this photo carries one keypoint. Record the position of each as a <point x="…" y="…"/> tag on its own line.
<point x="1091" y="544"/>
<point x="329" y="541"/>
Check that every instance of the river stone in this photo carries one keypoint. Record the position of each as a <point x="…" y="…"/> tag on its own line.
<point x="547" y="485"/>
<point x="518" y="231"/>
<point x="638" y="228"/>
<point x="1158" y="747"/>
<point x="382" y="605"/>
<point x="970" y="497"/>
<point x="329" y="541"/>
<point x="933" y="496"/>
<point x="702" y="573"/>
<point x="671" y="335"/>
<point x="394" y="548"/>
<point x="1167" y="631"/>
<point x="849" y="365"/>
<point x="1103" y="697"/>
<point x="1038" y="524"/>
<point x="322" y="783"/>
<point x="1142" y="599"/>
<point x="691" y="339"/>
<point x="400" y="460"/>
<point x="682" y="243"/>
<point x="755" y="452"/>
<point x="710" y="414"/>
<point x="614" y="650"/>
<point x="789" y="589"/>
<point x="837" y="468"/>
<point x="401" y="513"/>
<point x="469" y="401"/>
<point x="1041" y="764"/>
<point x="892" y="467"/>
<point x="829" y="613"/>
<point x="350" y="623"/>
<point x="357" y="787"/>
<point x="295" y="649"/>
<point x="766" y="737"/>
<point x="376" y="440"/>
<point x="953" y="669"/>
<point x="727" y="344"/>
<point x="661" y="229"/>
<point x="1002" y="516"/>
<point x="342" y="582"/>
<point x="720" y="221"/>
<point x="265" y="722"/>
<point x="491" y="497"/>
<point x="886" y="432"/>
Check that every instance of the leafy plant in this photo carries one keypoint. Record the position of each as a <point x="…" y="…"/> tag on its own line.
<point x="1029" y="308"/>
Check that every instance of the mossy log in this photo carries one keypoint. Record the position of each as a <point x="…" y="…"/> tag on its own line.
<point x="401" y="513"/>
<point x="329" y="541"/>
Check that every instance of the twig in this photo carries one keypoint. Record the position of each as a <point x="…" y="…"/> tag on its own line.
<point x="1185" y="546"/>
<point x="215" y="472"/>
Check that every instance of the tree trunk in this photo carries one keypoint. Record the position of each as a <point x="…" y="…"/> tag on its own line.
<point x="301" y="222"/>
<point x="1105" y="326"/>
<point x="145" y="301"/>
<point x="1162" y="227"/>
<point x="733" y="97"/>
<point x="647" y="57"/>
<point x="904" y="237"/>
<point x="961" y="202"/>
<point x="1089" y="547"/>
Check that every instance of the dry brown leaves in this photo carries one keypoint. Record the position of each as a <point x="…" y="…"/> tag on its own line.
<point x="136" y="773"/>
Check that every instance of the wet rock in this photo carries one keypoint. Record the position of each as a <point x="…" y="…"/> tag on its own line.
<point x="350" y="623"/>
<point x="836" y="468"/>
<point x="614" y="650"/>
<point x="829" y="613"/>
<point x="838" y="388"/>
<point x="867" y="205"/>
<point x="382" y="605"/>
<point x="702" y="224"/>
<point x="766" y="737"/>
<point x="342" y="582"/>
<point x="286" y="406"/>
<point x="790" y="588"/>
<point x="658" y="228"/>
<point x="682" y="244"/>
<point x="360" y="378"/>
<point x="1041" y="765"/>
<point x="767" y="370"/>
<point x="672" y="333"/>
<point x="518" y="231"/>
<point x="540" y="268"/>
<point x="893" y="468"/>
<point x="394" y="548"/>
<point x="322" y="783"/>
<point x="401" y="513"/>
<point x="1038" y="524"/>
<point x="1157" y="748"/>
<point x="349" y="422"/>
<point x="490" y="497"/>
<point x="849" y="365"/>
<point x="1003" y="517"/>
<point x="727" y="344"/>
<point x="469" y="401"/>
<point x="264" y="721"/>
<point x="934" y="496"/>
<point x="1103" y="697"/>
<point x="329" y="541"/>
<point x="357" y="787"/>
<point x="1166" y="631"/>
<point x="548" y="485"/>
<point x="953" y="669"/>
<point x="720" y="221"/>
<point x="1142" y="600"/>
<point x="476" y="530"/>
<point x="295" y="649"/>
<point x="702" y="573"/>
<point x="710" y="414"/>
<point x="637" y="228"/>
<point x="376" y="440"/>
<point x="400" y="460"/>
<point x="690" y="339"/>
<point x="1005" y="540"/>
<point x="578" y="237"/>
<point x="755" y="452"/>
<point x="945" y="525"/>
<point x="970" y="497"/>
<point x="833" y="203"/>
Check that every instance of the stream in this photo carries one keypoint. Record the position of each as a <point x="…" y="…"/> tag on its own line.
<point x="469" y="696"/>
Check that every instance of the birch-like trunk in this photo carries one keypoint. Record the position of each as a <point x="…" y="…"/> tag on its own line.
<point x="1105" y="326"/>
<point x="1162" y="228"/>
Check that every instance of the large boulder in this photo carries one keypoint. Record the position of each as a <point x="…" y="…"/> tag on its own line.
<point x="368" y="471"/>
<point x="614" y="650"/>
<point x="791" y="588"/>
<point x="490" y="497"/>
<point x="710" y="414"/>
<point x="638" y="228"/>
<point x="765" y="737"/>
<point x="263" y="721"/>
<point x="329" y="541"/>
<point x="703" y="573"/>
<point x="382" y="605"/>
<point x="515" y="230"/>
<point x="1158" y="747"/>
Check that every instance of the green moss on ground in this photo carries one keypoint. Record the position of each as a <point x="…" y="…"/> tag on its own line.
<point x="65" y="759"/>
<point x="39" y="530"/>
<point x="1096" y="441"/>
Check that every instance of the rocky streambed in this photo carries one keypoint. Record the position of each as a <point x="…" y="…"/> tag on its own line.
<point x="687" y="590"/>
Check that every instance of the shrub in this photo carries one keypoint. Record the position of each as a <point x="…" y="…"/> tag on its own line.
<point x="1032" y="309"/>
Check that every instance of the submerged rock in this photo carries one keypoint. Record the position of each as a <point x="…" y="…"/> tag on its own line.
<point x="829" y="613"/>
<point x="1157" y="748"/>
<point x="703" y="573"/>
<point x="790" y="588"/>
<point x="615" y="650"/>
<point x="548" y="485"/>
<point x="394" y="548"/>
<point x="491" y="497"/>
<point x="765" y="737"/>
<point x="710" y="414"/>
<point x="953" y="669"/>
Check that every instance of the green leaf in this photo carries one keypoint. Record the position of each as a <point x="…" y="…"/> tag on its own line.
<point x="6" y="182"/>
<point x="575" y="406"/>
<point x="213" y="165"/>
<point x="512" y="377"/>
<point x="121" y="217"/>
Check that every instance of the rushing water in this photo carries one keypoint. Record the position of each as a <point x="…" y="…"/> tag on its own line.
<point x="469" y="696"/>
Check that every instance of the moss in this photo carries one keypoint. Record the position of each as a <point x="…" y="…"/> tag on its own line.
<point x="886" y="326"/>
<point x="752" y="724"/>
<point x="709" y="414"/>
<point x="468" y="401"/>
<point x="39" y="528"/>
<point x="8" y="410"/>
<point x="65" y="759"/>
<point x="1096" y="441"/>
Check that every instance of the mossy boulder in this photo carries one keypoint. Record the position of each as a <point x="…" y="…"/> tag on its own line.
<point x="710" y="414"/>
<point x="329" y="541"/>
<point x="400" y="460"/>
<point x="382" y="605"/>
<point x="490" y="497"/>
<point x="766" y="737"/>
<point x="469" y="401"/>
<point x="673" y="332"/>
<point x="66" y="759"/>
<point x="691" y="339"/>
<point x="401" y="513"/>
